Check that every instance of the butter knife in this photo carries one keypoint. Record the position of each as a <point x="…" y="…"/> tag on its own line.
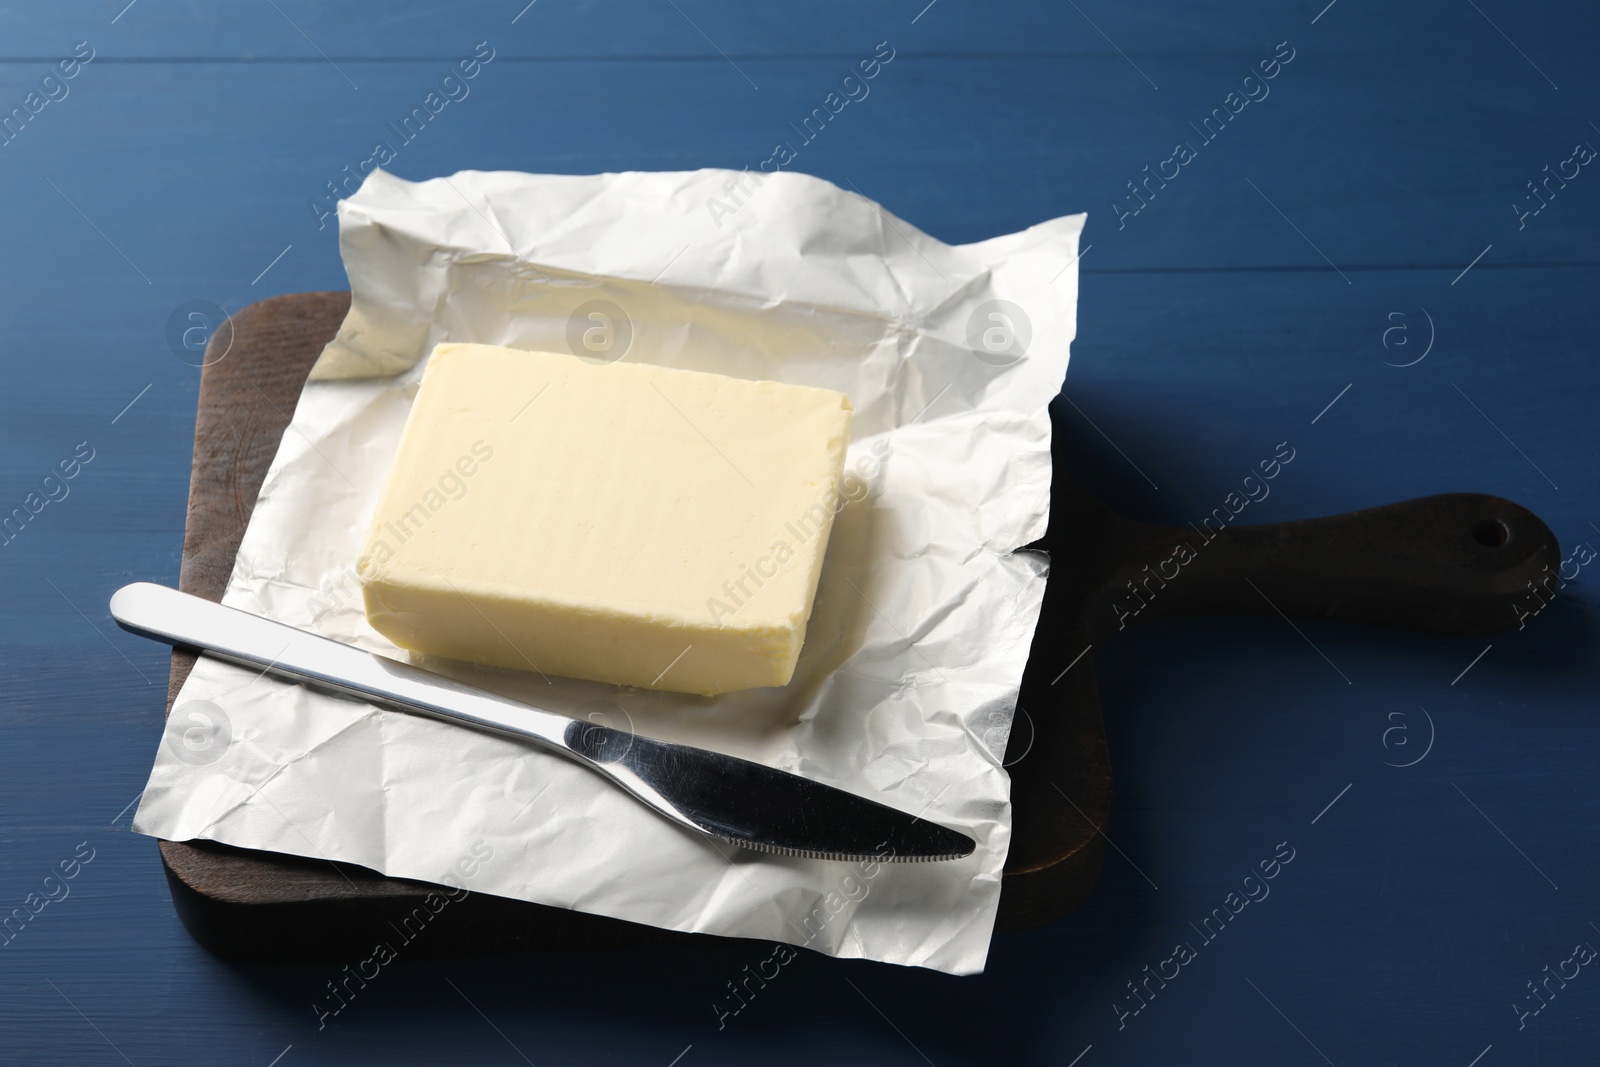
<point x="705" y="793"/>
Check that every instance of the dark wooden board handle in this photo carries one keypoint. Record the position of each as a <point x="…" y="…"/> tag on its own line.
<point x="1462" y="563"/>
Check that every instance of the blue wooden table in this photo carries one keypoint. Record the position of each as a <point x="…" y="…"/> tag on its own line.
<point x="1383" y="254"/>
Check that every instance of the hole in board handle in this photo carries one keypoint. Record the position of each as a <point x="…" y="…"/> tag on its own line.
<point x="1490" y="532"/>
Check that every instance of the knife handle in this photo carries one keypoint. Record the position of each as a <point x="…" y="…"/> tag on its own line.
<point x="239" y="637"/>
<point x="1462" y="563"/>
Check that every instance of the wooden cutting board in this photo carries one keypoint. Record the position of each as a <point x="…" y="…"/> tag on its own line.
<point x="1459" y="564"/>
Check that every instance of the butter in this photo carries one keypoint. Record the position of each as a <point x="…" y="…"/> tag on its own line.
<point x="623" y="523"/>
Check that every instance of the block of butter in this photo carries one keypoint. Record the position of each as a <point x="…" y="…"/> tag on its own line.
<point x="623" y="523"/>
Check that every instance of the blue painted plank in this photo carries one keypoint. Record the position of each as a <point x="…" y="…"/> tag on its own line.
<point x="1211" y="328"/>
<point x="1548" y="33"/>
<point x="1299" y="179"/>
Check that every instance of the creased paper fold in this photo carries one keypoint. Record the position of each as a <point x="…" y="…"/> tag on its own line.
<point x="923" y="619"/>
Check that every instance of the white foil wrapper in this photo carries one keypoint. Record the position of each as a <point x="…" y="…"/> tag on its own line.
<point x="923" y="618"/>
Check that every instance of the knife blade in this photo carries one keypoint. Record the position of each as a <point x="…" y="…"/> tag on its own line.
<point x="706" y="793"/>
